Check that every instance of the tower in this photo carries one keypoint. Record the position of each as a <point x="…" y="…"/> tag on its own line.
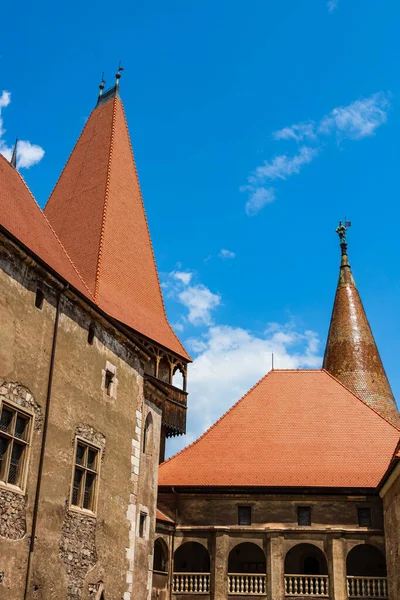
<point x="351" y="354"/>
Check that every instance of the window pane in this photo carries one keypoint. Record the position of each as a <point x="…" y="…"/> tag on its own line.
<point x="304" y="516"/>
<point x="244" y="515"/>
<point x="5" y="419"/>
<point x="80" y="454"/>
<point x="21" y="427"/>
<point x="4" y="443"/>
<point x="364" y="517"/>
<point x="16" y="458"/>
<point x="92" y="455"/>
<point x="89" y="491"/>
<point x="76" y="487"/>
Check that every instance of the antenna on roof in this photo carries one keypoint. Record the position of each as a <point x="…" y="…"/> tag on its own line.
<point x="118" y="74"/>
<point x="102" y="84"/>
<point x="13" y="161"/>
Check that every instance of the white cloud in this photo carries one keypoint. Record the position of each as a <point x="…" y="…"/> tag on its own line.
<point x="357" y="120"/>
<point x="258" y="198"/>
<point x="183" y="276"/>
<point x="332" y="5"/>
<point x="28" y="154"/>
<point x="283" y="166"/>
<point x="296" y="132"/>
<point x="226" y="253"/>
<point x="200" y="302"/>
<point x="231" y="360"/>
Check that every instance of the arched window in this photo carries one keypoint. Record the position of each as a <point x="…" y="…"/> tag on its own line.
<point x="160" y="558"/>
<point x="247" y="558"/>
<point x="148" y="435"/>
<point x="191" y="557"/>
<point x="305" y="559"/>
<point x="366" y="560"/>
<point x="178" y="379"/>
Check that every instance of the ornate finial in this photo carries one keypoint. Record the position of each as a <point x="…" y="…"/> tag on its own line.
<point x="341" y="231"/>
<point x="13" y="160"/>
<point x="102" y="84"/>
<point x="118" y="74"/>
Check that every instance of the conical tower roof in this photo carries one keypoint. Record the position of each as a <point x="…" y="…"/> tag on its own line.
<point x="351" y="354"/>
<point x="97" y="211"/>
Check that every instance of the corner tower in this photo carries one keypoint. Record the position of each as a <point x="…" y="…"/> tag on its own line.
<point x="351" y="354"/>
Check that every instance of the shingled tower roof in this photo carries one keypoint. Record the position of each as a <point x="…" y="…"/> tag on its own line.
<point x="351" y="354"/>
<point x="96" y="210"/>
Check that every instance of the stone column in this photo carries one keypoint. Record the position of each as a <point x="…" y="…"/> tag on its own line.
<point x="219" y="566"/>
<point x="337" y="570"/>
<point x="275" y="568"/>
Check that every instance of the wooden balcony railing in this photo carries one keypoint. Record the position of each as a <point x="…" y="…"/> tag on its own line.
<point x="171" y="400"/>
<point x="191" y="583"/>
<point x="249" y="584"/>
<point x="316" y="586"/>
<point x="367" y="587"/>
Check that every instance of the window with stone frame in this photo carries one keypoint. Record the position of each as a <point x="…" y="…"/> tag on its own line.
<point x="244" y="515"/>
<point x="15" y="432"/>
<point x="86" y="476"/>
<point x="304" y="516"/>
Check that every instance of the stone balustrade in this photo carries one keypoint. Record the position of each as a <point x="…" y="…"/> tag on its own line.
<point x="316" y="586"/>
<point x="250" y="584"/>
<point x="191" y="583"/>
<point x="367" y="587"/>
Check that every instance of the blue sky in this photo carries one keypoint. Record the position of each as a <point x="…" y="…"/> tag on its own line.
<point x="212" y="92"/>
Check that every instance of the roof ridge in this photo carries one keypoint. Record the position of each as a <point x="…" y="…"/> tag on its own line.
<point x="105" y="205"/>
<point x="147" y="227"/>
<point x="218" y="420"/>
<point x="50" y="227"/>
<point x="361" y="400"/>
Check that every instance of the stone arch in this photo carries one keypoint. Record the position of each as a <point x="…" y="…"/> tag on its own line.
<point x="247" y="557"/>
<point x="305" y="559"/>
<point x="160" y="556"/>
<point x="366" y="560"/>
<point x="178" y="378"/>
<point x="191" y="557"/>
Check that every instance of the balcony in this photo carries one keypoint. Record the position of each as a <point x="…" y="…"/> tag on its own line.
<point x="171" y="400"/>
<point x="247" y="584"/>
<point x="314" y="586"/>
<point x="367" y="587"/>
<point x="191" y="583"/>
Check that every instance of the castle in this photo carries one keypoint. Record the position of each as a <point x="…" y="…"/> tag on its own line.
<point x="293" y="493"/>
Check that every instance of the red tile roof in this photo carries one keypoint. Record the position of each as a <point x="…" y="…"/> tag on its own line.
<point x="21" y="216"/>
<point x="292" y="429"/>
<point x="160" y="516"/>
<point x="97" y="212"/>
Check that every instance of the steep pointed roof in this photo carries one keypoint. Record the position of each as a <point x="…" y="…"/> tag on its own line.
<point x="351" y="354"/>
<point x="21" y="216"/>
<point x="97" y="211"/>
<point x="292" y="429"/>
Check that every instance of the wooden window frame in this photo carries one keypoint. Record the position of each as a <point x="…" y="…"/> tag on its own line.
<point x="74" y="507"/>
<point x="20" y="487"/>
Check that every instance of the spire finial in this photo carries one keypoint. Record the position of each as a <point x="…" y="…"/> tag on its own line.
<point x="118" y="74"/>
<point x="102" y="84"/>
<point x="341" y="231"/>
<point x="13" y="160"/>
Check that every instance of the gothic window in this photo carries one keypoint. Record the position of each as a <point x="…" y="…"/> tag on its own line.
<point x="85" y="477"/>
<point x="364" y="517"/>
<point x="244" y="515"/>
<point x="304" y="515"/>
<point x="15" y="428"/>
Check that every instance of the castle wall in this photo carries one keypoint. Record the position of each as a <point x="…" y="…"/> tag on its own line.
<point x="391" y="503"/>
<point x="77" y="552"/>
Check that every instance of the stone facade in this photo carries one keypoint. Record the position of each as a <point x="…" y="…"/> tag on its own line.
<point x="391" y="502"/>
<point x="76" y="553"/>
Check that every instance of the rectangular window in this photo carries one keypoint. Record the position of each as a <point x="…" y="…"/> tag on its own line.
<point x="85" y="480"/>
<point x="15" y="428"/>
<point x="364" y="517"/>
<point x="244" y="515"/>
<point x="304" y="516"/>
<point x="142" y="523"/>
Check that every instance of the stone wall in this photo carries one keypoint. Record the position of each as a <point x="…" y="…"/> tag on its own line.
<point x="391" y="503"/>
